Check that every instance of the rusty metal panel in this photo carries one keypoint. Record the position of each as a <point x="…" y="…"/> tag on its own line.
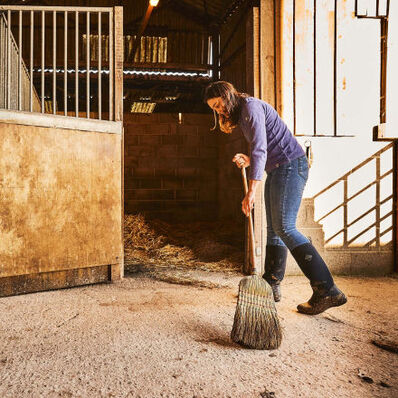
<point x="60" y="199"/>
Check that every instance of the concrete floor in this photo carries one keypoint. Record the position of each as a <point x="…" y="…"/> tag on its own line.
<point x="146" y="338"/>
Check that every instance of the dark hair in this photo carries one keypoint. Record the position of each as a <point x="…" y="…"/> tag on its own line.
<point x="232" y="100"/>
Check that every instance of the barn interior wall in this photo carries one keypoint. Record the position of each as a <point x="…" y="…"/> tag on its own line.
<point x="233" y="69"/>
<point x="170" y="169"/>
<point x="350" y="180"/>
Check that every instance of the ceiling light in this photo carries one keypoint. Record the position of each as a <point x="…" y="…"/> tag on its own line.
<point x="153" y="3"/>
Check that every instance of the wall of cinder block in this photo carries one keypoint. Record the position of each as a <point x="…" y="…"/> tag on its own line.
<point x="170" y="169"/>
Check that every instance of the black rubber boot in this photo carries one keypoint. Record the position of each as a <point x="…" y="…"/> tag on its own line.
<point x="322" y="299"/>
<point x="326" y="294"/>
<point x="275" y="267"/>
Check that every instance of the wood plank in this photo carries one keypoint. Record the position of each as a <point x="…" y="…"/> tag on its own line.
<point x="59" y="121"/>
<point x="61" y="199"/>
<point x="30" y="283"/>
<point x="267" y="51"/>
<point x="118" y="64"/>
<point x="55" y="8"/>
<point x="304" y="39"/>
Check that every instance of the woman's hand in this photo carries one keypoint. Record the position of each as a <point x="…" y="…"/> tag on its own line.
<point x="241" y="160"/>
<point x="248" y="202"/>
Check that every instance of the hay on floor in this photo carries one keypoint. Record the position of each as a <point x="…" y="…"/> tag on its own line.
<point x="211" y="246"/>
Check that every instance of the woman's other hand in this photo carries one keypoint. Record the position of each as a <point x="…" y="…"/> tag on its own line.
<point x="248" y="203"/>
<point x="241" y="160"/>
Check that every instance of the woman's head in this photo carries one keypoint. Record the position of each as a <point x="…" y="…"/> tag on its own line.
<point x="224" y="99"/>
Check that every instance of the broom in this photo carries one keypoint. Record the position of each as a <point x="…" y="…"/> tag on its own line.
<point x="256" y="324"/>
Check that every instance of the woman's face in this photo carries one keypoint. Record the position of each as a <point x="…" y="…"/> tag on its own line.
<point x="217" y="104"/>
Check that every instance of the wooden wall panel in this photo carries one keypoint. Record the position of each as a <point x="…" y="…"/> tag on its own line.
<point x="60" y="199"/>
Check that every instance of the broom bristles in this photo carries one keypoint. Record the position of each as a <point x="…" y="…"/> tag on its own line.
<point x="256" y="322"/>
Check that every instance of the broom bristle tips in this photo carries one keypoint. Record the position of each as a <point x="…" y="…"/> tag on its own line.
<point x="256" y="323"/>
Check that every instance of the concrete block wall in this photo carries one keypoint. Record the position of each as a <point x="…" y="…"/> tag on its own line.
<point x="170" y="169"/>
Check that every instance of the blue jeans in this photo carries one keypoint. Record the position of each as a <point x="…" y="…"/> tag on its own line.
<point x="283" y="192"/>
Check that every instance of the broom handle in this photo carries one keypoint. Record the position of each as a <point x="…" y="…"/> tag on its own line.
<point x="251" y="229"/>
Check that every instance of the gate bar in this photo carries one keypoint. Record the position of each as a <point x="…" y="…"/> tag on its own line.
<point x="77" y="63"/>
<point x="54" y="99"/>
<point x="88" y="65"/>
<point x="99" y="66"/>
<point x="42" y="59"/>
<point x="31" y="61"/>
<point x="8" y="59"/>
<point x="66" y="63"/>
<point x="20" y="60"/>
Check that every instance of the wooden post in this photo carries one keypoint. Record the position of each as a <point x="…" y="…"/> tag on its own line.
<point x="118" y="62"/>
<point x="118" y="269"/>
<point x="261" y="53"/>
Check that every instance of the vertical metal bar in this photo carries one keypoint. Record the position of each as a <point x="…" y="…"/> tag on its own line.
<point x="54" y="62"/>
<point x="88" y="65"/>
<point x="315" y="92"/>
<point x="377" y="204"/>
<point x="42" y="58"/>
<point x="345" y="212"/>
<point x="77" y="63"/>
<point x="383" y="67"/>
<point x="9" y="59"/>
<point x="99" y="66"/>
<point x="335" y="70"/>
<point x="66" y="63"/>
<point x="395" y="203"/>
<point x="20" y="60"/>
<point x="31" y="61"/>
<point x="111" y="74"/>
<point x="294" y="67"/>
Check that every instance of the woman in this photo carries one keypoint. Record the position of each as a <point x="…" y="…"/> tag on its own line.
<point x="274" y="149"/>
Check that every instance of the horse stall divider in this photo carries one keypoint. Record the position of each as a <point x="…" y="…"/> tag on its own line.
<point x="63" y="191"/>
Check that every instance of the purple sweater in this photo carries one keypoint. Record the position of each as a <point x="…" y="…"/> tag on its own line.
<point x="271" y="142"/>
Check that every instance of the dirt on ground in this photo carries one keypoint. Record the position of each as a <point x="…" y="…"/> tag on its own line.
<point x="149" y="336"/>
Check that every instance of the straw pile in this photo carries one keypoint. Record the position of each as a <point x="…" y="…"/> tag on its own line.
<point x="211" y="246"/>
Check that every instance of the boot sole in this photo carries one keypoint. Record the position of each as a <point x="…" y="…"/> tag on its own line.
<point x="339" y="300"/>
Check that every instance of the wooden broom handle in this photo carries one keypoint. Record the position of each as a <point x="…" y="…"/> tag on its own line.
<point x="251" y="229"/>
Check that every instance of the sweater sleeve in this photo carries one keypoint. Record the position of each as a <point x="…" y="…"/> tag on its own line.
<point x="253" y="127"/>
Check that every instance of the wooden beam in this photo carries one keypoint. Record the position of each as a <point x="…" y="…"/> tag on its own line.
<point x="118" y="62"/>
<point x="58" y="121"/>
<point x="261" y="44"/>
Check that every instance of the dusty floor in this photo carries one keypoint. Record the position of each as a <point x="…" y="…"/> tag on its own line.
<point x="146" y="338"/>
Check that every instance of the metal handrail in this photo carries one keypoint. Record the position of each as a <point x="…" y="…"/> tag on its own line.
<point x="346" y="199"/>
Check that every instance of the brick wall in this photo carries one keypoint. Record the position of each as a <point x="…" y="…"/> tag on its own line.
<point x="171" y="169"/>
